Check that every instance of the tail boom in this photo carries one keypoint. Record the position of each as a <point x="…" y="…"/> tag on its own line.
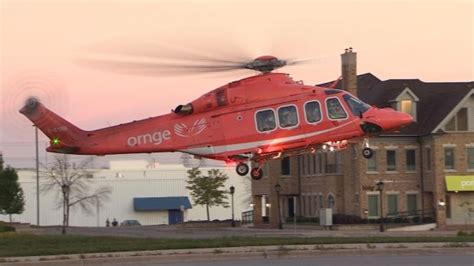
<point x="64" y="136"/>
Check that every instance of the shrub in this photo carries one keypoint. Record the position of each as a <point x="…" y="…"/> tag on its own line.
<point x="6" y="228"/>
<point x="301" y="219"/>
<point x="428" y="220"/>
<point x="346" y="219"/>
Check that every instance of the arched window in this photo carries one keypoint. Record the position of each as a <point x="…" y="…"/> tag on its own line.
<point x="331" y="201"/>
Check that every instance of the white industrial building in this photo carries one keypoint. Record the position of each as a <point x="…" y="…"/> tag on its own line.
<point x="159" y="192"/>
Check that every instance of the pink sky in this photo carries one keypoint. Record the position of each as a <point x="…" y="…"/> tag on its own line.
<point x="430" y="40"/>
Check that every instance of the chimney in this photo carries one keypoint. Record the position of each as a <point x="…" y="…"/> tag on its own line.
<point x="349" y="71"/>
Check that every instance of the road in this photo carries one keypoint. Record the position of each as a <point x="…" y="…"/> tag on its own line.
<point x="378" y="260"/>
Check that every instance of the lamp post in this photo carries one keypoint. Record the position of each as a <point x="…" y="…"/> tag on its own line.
<point x="380" y="186"/>
<point x="278" y="189"/>
<point x="232" y="191"/>
<point x="65" y="190"/>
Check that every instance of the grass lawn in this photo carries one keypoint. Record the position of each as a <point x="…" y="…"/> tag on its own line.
<point x="13" y="244"/>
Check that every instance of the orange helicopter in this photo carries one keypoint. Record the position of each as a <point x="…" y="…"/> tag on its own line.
<point x="254" y="119"/>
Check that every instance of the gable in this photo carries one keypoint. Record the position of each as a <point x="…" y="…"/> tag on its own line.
<point x="464" y="110"/>
<point x="407" y="94"/>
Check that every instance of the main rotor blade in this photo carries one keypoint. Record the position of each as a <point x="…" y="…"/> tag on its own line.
<point x="163" y="52"/>
<point x="156" y="68"/>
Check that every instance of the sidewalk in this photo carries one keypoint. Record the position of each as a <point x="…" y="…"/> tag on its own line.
<point x="244" y="253"/>
<point x="196" y="233"/>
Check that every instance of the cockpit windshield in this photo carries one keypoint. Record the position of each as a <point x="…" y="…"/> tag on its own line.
<point x="357" y="106"/>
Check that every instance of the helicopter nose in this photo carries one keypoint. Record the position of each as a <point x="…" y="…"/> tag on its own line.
<point x="393" y="120"/>
<point x="385" y="119"/>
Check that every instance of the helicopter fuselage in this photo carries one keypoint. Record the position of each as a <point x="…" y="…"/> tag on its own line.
<point x="250" y="118"/>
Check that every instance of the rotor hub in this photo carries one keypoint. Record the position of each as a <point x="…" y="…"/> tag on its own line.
<point x="265" y="64"/>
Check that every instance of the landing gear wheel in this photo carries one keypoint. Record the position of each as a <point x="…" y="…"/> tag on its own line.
<point x="367" y="153"/>
<point x="242" y="169"/>
<point x="256" y="173"/>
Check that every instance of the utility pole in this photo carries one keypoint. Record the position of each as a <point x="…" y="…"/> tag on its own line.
<point x="37" y="180"/>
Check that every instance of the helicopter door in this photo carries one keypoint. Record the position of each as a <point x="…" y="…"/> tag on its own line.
<point x="210" y="135"/>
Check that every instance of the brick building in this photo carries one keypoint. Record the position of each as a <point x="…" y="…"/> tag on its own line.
<point x="427" y="168"/>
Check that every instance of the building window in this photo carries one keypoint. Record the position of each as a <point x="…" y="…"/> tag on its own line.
<point x="303" y="205"/>
<point x="335" y="109"/>
<point x="287" y="116"/>
<point x="285" y="166"/>
<point x="373" y="202"/>
<point x="392" y="201"/>
<point x="333" y="161"/>
<point x="391" y="160"/>
<point x="449" y="158"/>
<point x="265" y="120"/>
<point x="448" y="206"/>
<point x="406" y="106"/>
<point x="313" y="112"/>
<point x="410" y="160"/>
<point x="372" y="162"/>
<point x="303" y="164"/>
<point x="470" y="158"/>
<point x="266" y="169"/>
<point x="309" y="163"/>
<point x="459" y="122"/>
<point x="321" y="202"/>
<point x="315" y="205"/>
<point x="314" y="163"/>
<point x="411" y="204"/>
<point x="320" y="162"/>
<point x="309" y="203"/>
<point x="331" y="201"/>
<point x="428" y="159"/>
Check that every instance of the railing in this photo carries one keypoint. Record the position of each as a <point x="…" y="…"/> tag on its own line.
<point x="412" y="217"/>
<point x="247" y="217"/>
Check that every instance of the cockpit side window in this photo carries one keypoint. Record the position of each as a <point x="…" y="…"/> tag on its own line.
<point x="265" y="120"/>
<point x="313" y="112"/>
<point x="335" y="109"/>
<point x="357" y="106"/>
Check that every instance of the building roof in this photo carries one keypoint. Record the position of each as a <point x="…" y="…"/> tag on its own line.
<point x="161" y="203"/>
<point x="436" y="99"/>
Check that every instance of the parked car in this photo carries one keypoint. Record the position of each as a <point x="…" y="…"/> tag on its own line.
<point x="130" y="223"/>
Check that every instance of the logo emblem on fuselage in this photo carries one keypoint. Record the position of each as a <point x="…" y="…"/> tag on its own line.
<point x="184" y="131"/>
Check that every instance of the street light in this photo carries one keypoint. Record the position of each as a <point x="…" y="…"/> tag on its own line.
<point x="278" y="189"/>
<point x="65" y="190"/>
<point x="380" y="186"/>
<point x="232" y="191"/>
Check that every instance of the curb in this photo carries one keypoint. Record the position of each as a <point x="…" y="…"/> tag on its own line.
<point x="242" y="253"/>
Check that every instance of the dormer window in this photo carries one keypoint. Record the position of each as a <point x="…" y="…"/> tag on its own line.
<point x="406" y="102"/>
<point x="406" y="106"/>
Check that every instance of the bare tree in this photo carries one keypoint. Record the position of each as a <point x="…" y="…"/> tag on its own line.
<point x="72" y="184"/>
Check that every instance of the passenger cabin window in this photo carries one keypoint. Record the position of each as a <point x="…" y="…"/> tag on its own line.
<point x="335" y="110"/>
<point x="287" y="116"/>
<point x="313" y="112"/>
<point x="265" y="120"/>
<point x="357" y="106"/>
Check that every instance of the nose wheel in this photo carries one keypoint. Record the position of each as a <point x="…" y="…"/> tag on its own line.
<point x="242" y="169"/>
<point x="367" y="153"/>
